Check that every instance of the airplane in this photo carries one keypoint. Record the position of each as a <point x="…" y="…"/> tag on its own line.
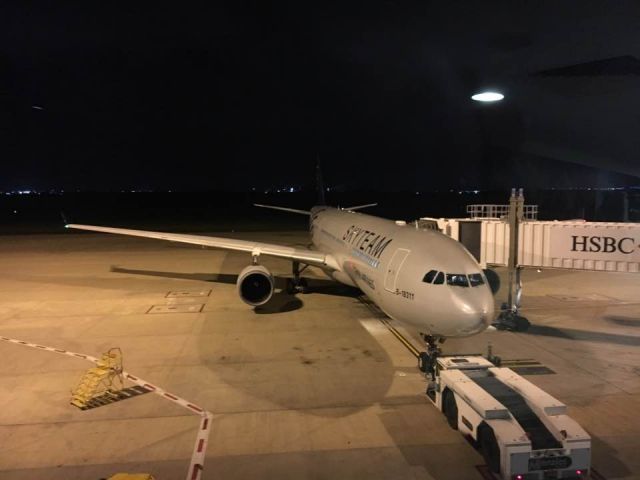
<point x="418" y="277"/>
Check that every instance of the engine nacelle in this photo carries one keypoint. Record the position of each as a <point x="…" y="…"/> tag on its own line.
<point x="255" y="285"/>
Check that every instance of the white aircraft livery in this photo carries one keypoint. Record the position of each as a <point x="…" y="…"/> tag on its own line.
<point x="419" y="277"/>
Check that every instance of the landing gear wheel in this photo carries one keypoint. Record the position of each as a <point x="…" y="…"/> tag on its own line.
<point x="297" y="284"/>
<point x="511" y="321"/>
<point x="450" y="409"/>
<point x="423" y="362"/>
<point x="293" y="287"/>
<point x="489" y="448"/>
<point x="303" y="286"/>
<point x="521" y="324"/>
<point x="427" y="360"/>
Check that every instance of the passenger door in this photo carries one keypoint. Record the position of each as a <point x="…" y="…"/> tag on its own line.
<point x="393" y="268"/>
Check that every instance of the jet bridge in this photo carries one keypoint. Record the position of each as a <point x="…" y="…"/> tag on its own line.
<point x="512" y="236"/>
<point x="568" y="244"/>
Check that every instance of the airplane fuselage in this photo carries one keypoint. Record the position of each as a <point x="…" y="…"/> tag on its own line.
<point x="419" y="277"/>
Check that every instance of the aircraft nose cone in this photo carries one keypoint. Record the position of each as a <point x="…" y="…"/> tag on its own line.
<point x="476" y="314"/>
<point x="472" y="324"/>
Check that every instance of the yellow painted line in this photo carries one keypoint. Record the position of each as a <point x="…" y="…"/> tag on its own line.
<point x="414" y="351"/>
<point x="383" y="319"/>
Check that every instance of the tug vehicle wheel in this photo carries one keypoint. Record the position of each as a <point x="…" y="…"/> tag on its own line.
<point x="450" y="408"/>
<point x="423" y="362"/>
<point x="489" y="448"/>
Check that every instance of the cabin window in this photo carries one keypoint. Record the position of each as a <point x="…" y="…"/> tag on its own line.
<point x="457" y="279"/>
<point x="431" y="274"/>
<point x="439" y="279"/>
<point x="476" y="279"/>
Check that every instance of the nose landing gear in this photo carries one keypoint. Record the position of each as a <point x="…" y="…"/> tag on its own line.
<point x="427" y="360"/>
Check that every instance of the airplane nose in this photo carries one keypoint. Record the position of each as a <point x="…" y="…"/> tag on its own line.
<point x="476" y="314"/>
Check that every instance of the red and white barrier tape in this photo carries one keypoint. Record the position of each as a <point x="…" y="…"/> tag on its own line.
<point x="50" y="349"/>
<point x="200" y="450"/>
<point x="204" y="428"/>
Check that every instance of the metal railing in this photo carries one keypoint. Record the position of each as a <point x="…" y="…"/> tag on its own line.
<point x="530" y="212"/>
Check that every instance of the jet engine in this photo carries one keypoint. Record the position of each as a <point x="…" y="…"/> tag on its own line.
<point x="493" y="279"/>
<point x="255" y="285"/>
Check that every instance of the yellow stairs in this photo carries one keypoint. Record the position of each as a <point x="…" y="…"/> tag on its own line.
<point x="100" y="380"/>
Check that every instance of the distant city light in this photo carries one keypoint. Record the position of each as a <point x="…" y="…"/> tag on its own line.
<point x="487" y="97"/>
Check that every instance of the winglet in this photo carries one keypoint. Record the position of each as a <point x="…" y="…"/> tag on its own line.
<point x="65" y="220"/>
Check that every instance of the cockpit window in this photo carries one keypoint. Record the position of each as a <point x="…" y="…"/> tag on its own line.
<point x="457" y="279"/>
<point x="431" y="274"/>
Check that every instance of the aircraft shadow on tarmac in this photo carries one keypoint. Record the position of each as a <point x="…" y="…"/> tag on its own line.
<point x="624" y="321"/>
<point x="583" y="335"/>
<point x="280" y="302"/>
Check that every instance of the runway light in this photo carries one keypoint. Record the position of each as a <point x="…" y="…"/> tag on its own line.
<point x="487" y="97"/>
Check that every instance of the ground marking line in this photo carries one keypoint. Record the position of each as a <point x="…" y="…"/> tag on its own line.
<point x="379" y="315"/>
<point x="196" y="466"/>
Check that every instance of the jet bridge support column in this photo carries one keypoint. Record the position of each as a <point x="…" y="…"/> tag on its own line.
<point x="509" y="317"/>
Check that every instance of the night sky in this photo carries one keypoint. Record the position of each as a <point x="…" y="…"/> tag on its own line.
<point x="236" y="95"/>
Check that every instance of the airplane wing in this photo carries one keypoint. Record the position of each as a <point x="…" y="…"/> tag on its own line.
<point x="302" y="255"/>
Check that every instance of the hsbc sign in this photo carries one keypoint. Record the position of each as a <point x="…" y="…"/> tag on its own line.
<point x="571" y="244"/>
<point x="601" y="243"/>
<point x="585" y="243"/>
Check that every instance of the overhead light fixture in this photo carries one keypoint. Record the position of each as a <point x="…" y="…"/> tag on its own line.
<point x="487" y="97"/>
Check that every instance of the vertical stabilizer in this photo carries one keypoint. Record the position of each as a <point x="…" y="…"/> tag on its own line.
<point x="319" y="184"/>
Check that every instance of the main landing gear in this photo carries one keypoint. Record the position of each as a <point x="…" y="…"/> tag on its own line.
<point x="297" y="284"/>
<point x="427" y="360"/>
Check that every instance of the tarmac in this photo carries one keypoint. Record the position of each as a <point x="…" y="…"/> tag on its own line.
<point x="310" y="386"/>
